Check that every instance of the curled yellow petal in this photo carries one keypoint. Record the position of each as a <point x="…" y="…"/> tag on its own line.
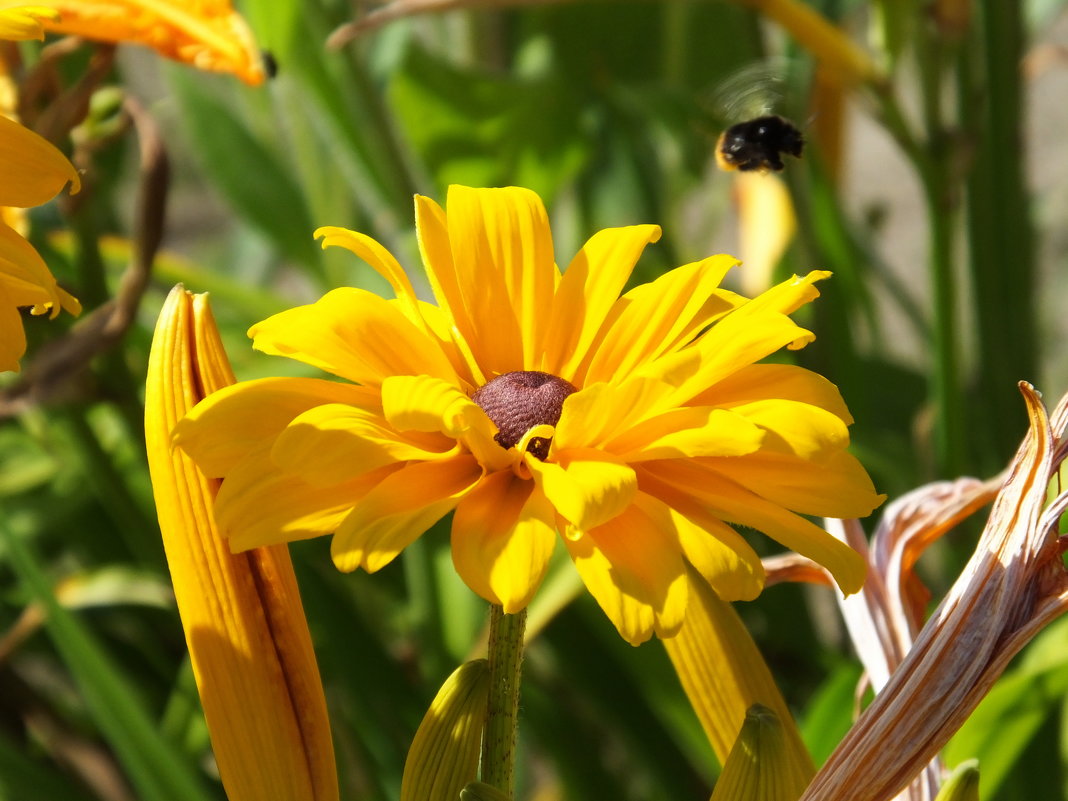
<point x="443" y="758"/>
<point x="836" y="52"/>
<point x="244" y="624"/>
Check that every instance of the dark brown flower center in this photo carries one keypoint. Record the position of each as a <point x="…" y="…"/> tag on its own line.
<point x="519" y="401"/>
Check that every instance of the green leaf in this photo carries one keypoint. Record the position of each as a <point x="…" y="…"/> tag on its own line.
<point x="23" y="777"/>
<point x="153" y="769"/>
<point x="254" y="178"/>
<point x="829" y="713"/>
<point x="484" y="130"/>
<point x="1011" y="716"/>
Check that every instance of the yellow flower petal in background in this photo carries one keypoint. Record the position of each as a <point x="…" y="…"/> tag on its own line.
<point x="32" y="171"/>
<point x="248" y="640"/>
<point x="766" y="226"/>
<point x="25" y="22"/>
<point x="836" y="52"/>
<point x="206" y="34"/>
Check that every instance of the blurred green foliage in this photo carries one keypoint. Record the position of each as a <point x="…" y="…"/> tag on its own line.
<point x="608" y="110"/>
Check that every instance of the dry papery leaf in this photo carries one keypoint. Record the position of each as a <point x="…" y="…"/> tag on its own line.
<point x="1014" y="585"/>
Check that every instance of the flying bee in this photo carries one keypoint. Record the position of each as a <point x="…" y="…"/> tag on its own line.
<point x="758" y="144"/>
<point x="758" y="138"/>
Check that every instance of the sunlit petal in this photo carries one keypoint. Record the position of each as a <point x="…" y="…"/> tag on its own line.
<point x="503" y="534"/>
<point x="588" y="291"/>
<point x="589" y="488"/>
<point x="227" y="425"/>
<point x="354" y="334"/>
<point x="388" y="518"/>
<point x="633" y="567"/>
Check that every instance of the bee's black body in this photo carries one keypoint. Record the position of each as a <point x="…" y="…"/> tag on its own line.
<point x="758" y="144"/>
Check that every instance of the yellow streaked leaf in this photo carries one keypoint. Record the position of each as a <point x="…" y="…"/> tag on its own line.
<point x="443" y="758"/>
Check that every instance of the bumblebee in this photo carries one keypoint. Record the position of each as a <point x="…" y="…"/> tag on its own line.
<point x="758" y="144"/>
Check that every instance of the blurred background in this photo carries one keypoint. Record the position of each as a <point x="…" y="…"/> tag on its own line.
<point x="937" y="193"/>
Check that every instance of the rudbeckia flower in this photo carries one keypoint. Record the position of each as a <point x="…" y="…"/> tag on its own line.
<point x="530" y="401"/>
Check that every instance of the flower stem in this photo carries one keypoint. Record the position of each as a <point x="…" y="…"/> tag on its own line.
<point x="505" y="657"/>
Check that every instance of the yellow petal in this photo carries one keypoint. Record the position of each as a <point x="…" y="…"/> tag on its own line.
<point x="658" y="317"/>
<point x="633" y="568"/>
<point x="503" y="534"/>
<point x="336" y="442"/>
<point x="587" y="292"/>
<point x="24" y="22"/>
<point x="248" y="639"/>
<point x="733" y="343"/>
<point x="23" y="272"/>
<point x="723" y="674"/>
<point x="253" y="412"/>
<point x="688" y="432"/>
<point x="785" y="381"/>
<point x="788" y="296"/>
<point x="423" y="403"/>
<point x="597" y="413"/>
<point x="444" y="754"/>
<point x="12" y="335"/>
<point x="503" y="254"/>
<point x="260" y="505"/>
<point x="32" y="170"/>
<point x="734" y="504"/>
<point x="835" y="51"/>
<point x="379" y="258"/>
<point x="399" y="509"/>
<point x="797" y="429"/>
<point x="354" y="334"/>
<point x="837" y="486"/>
<point x="206" y="34"/>
<point x="587" y="487"/>
<point x="720" y="554"/>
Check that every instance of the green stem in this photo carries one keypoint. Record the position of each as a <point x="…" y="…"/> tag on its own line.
<point x="502" y="711"/>
<point x="941" y="194"/>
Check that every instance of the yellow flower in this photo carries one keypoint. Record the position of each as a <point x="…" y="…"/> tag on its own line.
<point x="207" y="34"/>
<point x="32" y="171"/>
<point x="530" y="401"/>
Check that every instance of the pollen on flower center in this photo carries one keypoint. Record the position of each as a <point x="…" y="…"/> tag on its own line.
<point x="519" y="401"/>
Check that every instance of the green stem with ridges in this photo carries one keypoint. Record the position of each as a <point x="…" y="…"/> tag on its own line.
<point x="502" y="711"/>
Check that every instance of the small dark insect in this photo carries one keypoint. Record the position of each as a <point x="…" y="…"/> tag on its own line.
<point x="758" y="144"/>
<point x="270" y="63"/>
